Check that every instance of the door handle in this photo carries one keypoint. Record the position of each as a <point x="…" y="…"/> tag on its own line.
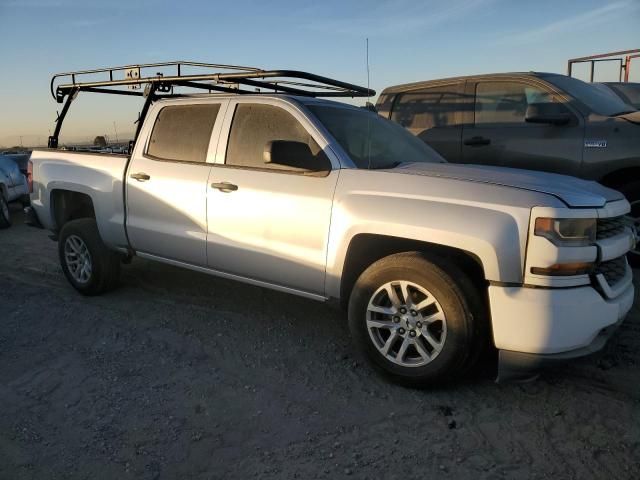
<point x="477" y="141"/>
<point x="141" y="176"/>
<point x="225" y="187"/>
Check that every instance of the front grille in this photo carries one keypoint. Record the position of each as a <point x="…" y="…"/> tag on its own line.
<point x="610" y="227"/>
<point x="612" y="270"/>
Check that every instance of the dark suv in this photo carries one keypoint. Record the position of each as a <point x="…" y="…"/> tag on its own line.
<point x="537" y="121"/>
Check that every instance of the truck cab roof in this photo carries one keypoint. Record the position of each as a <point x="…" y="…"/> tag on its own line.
<point x="506" y="75"/>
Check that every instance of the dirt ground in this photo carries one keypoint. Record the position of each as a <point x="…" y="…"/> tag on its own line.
<point x="181" y="375"/>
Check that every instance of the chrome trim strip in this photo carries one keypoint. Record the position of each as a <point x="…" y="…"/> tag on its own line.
<point x="615" y="247"/>
<point x="612" y="292"/>
<point x="616" y="208"/>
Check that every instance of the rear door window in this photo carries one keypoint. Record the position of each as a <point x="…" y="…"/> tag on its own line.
<point x="182" y="132"/>
<point x="428" y="108"/>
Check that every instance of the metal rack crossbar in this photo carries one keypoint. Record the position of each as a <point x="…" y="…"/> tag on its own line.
<point x="623" y="58"/>
<point x="133" y="80"/>
<point x="217" y="77"/>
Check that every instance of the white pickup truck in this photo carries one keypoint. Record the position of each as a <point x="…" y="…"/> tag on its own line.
<point x="333" y="202"/>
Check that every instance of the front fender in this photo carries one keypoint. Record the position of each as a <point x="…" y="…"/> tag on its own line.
<point x="495" y="234"/>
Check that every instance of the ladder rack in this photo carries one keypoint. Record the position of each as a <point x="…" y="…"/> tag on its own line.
<point x="144" y="80"/>
<point x="204" y="76"/>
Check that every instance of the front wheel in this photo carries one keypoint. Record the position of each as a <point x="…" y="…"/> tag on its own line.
<point x="5" y="217"/>
<point x="413" y="318"/>
<point x="86" y="262"/>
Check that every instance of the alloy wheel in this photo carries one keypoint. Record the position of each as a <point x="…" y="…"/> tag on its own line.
<point x="78" y="259"/>
<point x="406" y="323"/>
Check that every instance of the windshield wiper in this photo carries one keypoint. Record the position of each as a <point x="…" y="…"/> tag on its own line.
<point x="386" y="167"/>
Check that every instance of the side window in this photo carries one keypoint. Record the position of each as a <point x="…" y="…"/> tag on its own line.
<point x="429" y="108"/>
<point x="182" y="132"/>
<point x="506" y="102"/>
<point x="254" y="125"/>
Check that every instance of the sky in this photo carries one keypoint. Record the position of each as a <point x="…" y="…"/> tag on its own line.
<point x="408" y="41"/>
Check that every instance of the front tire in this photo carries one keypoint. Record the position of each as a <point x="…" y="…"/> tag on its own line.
<point x="413" y="317"/>
<point x="5" y="216"/>
<point x="90" y="267"/>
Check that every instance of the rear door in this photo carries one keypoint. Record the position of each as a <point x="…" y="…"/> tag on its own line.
<point x="433" y="114"/>
<point x="167" y="181"/>
<point x="271" y="223"/>
<point x="497" y="134"/>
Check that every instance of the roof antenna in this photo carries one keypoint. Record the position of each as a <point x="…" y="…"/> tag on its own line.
<point x="368" y="89"/>
<point x="368" y="107"/>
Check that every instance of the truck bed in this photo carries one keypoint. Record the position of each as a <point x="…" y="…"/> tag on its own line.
<point x="98" y="175"/>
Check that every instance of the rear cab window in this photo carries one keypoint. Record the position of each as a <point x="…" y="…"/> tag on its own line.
<point x="182" y="132"/>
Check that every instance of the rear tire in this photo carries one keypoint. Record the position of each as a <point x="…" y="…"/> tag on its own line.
<point x="88" y="264"/>
<point x="5" y="216"/>
<point x="429" y="331"/>
<point x="632" y="192"/>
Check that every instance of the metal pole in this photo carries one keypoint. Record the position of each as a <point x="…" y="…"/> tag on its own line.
<point x="627" y="61"/>
<point x="53" y="139"/>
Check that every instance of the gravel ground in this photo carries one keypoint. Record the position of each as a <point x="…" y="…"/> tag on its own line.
<point x="182" y="375"/>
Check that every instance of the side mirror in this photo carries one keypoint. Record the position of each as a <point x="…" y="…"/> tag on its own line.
<point x="296" y="155"/>
<point x="549" y="113"/>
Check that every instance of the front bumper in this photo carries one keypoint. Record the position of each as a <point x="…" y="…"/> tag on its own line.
<point x="31" y="217"/>
<point x="533" y="326"/>
<point x="519" y="365"/>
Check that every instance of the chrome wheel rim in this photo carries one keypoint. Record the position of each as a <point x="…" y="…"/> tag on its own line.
<point x="406" y="323"/>
<point x="635" y="220"/>
<point x="78" y="259"/>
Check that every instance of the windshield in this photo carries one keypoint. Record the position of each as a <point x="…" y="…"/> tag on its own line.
<point x="628" y="92"/>
<point x="599" y="100"/>
<point x="370" y="140"/>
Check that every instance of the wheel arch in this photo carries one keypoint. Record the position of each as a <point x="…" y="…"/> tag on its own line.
<point x="619" y="178"/>
<point x="366" y="248"/>
<point x="67" y="205"/>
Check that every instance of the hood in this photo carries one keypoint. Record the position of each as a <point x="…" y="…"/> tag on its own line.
<point x="633" y="117"/>
<point x="574" y="192"/>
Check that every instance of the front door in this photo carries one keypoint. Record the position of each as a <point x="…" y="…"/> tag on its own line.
<point x="497" y="133"/>
<point x="167" y="184"/>
<point x="269" y="222"/>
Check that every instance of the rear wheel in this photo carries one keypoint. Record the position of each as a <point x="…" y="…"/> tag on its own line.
<point x="5" y="217"/>
<point x="413" y="318"/>
<point x="86" y="262"/>
<point x="632" y="192"/>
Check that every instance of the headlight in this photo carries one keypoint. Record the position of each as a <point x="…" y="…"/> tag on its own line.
<point x="567" y="232"/>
